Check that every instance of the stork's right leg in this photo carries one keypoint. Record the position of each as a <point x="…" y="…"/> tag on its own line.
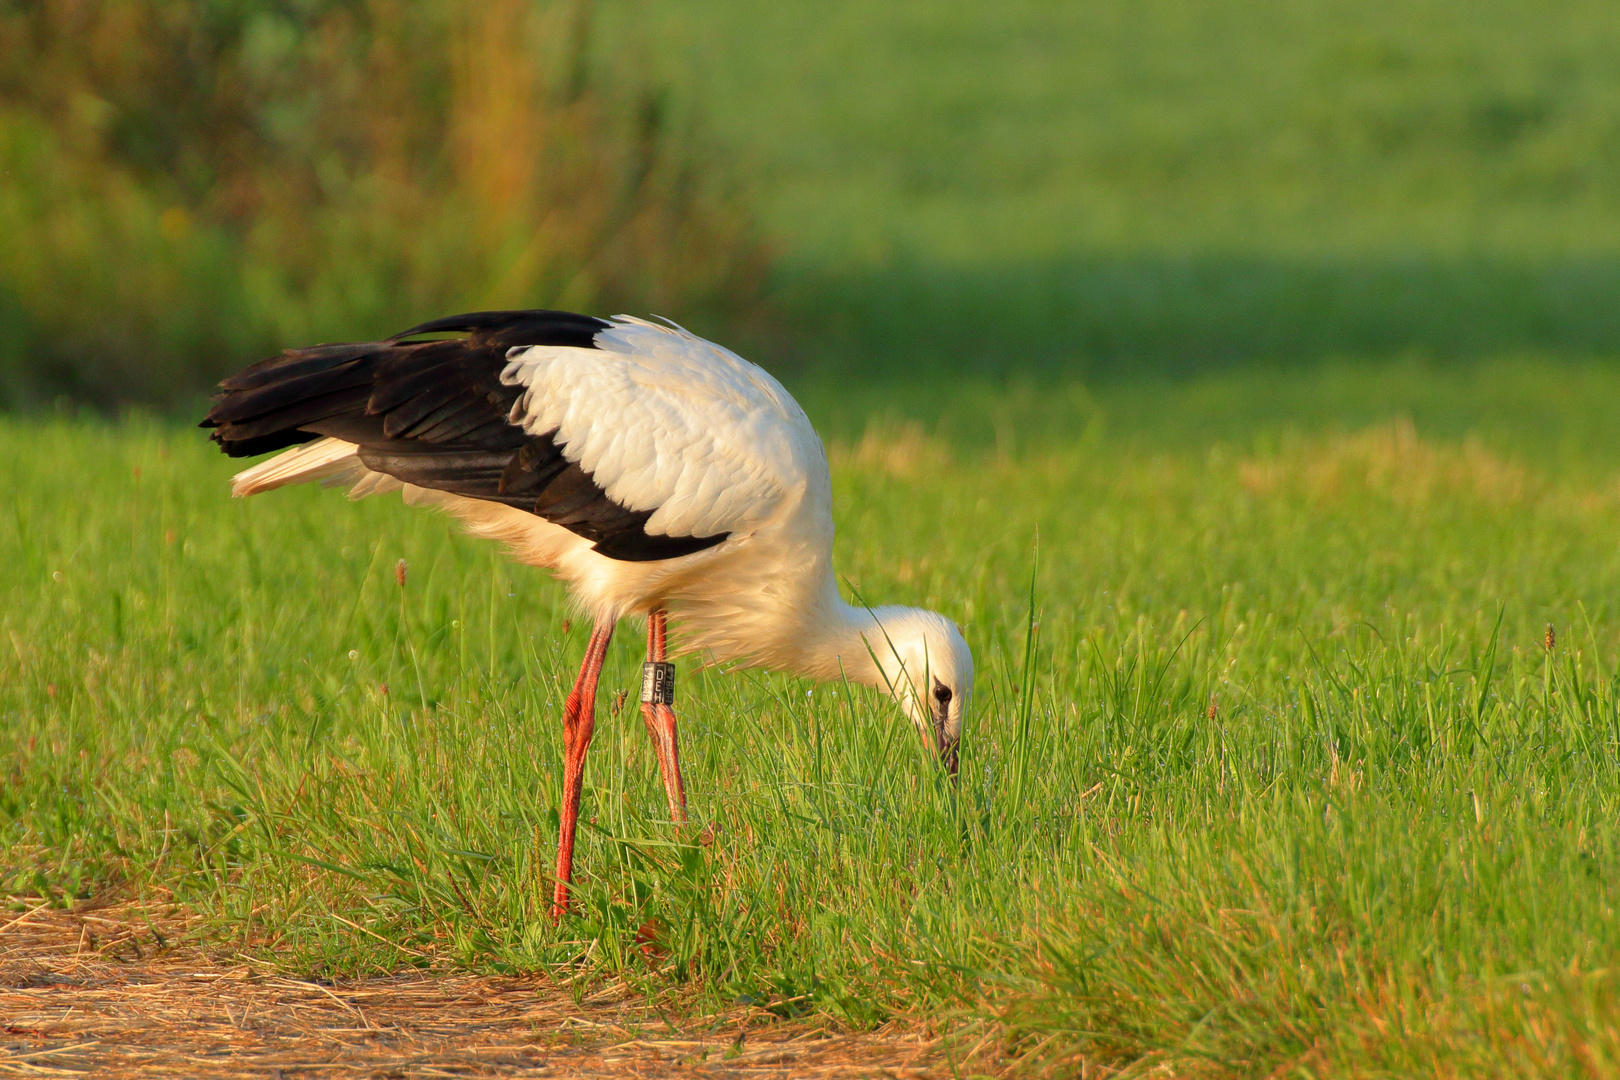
<point x="658" y="713"/>
<point x="579" y="720"/>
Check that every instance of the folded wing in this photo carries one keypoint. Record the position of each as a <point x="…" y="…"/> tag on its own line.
<point x="648" y="441"/>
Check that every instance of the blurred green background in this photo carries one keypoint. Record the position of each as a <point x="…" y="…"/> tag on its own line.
<point x="1024" y="189"/>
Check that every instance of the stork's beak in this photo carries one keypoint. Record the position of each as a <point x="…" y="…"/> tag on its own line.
<point x="944" y="741"/>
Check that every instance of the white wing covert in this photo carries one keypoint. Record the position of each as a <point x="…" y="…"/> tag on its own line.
<point x="666" y="422"/>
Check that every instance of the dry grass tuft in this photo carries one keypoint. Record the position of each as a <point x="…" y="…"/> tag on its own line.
<point x="134" y="989"/>
<point x="1393" y="461"/>
<point x="901" y="450"/>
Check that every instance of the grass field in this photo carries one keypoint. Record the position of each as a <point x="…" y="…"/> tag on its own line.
<point x="1289" y="774"/>
<point x="1166" y="185"/>
<point x="1240" y="377"/>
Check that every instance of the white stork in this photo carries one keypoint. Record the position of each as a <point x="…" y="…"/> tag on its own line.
<point x="655" y="472"/>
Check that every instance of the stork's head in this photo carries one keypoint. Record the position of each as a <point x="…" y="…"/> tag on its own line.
<point x="928" y="668"/>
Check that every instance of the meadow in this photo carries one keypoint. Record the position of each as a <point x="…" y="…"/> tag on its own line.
<point x="1117" y="188"/>
<point x="1240" y="377"/>
<point x="1294" y="746"/>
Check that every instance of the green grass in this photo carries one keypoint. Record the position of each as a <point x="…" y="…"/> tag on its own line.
<point x="975" y="133"/>
<point x="1298" y="786"/>
<point x="1122" y="185"/>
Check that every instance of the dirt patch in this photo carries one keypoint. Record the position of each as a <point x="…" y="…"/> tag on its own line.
<point x="119" y="992"/>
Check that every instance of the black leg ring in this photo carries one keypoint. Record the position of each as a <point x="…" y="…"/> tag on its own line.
<point x="658" y="683"/>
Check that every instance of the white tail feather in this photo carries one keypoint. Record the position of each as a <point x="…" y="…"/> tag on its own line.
<point x="372" y="483"/>
<point x="320" y="460"/>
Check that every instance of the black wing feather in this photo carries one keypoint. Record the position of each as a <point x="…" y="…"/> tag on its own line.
<point x="296" y="393"/>
<point x="295" y="363"/>
<point x="433" y="412"/>
<point x="304" y="413"/>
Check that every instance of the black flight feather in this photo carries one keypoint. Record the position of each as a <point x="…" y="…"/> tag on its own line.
<point x="432" y="411"/>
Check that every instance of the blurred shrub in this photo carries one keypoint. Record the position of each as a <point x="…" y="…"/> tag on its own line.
<point x="185" y="185"/>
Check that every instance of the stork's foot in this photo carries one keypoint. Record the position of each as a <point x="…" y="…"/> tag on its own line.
<point x="660" y="722"/>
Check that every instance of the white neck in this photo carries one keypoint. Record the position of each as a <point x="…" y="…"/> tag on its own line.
<point x="806" y="628"/>
<point x="840" y="641"/>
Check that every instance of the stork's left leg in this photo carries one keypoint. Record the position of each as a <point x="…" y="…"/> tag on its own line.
<point x="579" y="720"/>
<point x="658" y="713"/>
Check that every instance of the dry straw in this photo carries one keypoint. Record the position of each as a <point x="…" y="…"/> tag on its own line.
<point x="128" y="989"/>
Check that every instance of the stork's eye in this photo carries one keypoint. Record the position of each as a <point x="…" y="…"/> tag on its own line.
<point x="942" y="693"/>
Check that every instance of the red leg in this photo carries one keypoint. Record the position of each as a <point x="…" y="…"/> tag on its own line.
<point x="579" y="719"/>
<point x="659" y="717"/>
